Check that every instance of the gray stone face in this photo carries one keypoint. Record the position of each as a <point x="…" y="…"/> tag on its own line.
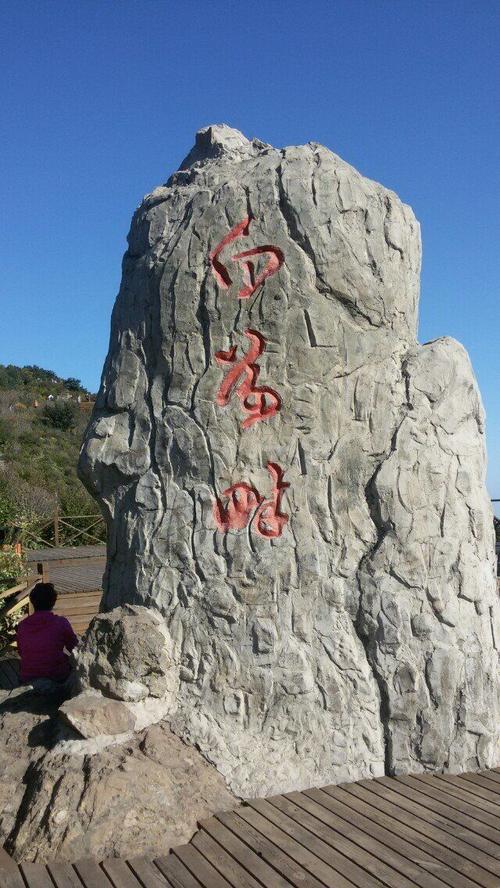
<point x="347" y="623"/>
<point x="127" y="656"/>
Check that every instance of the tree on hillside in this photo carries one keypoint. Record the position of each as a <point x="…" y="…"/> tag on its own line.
<point x="60" y="416"/>
<point x="73" y="384"/>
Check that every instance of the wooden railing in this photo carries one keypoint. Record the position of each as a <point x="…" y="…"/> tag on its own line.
<point x="11" y="601"/>
<point x="62" y="530"/>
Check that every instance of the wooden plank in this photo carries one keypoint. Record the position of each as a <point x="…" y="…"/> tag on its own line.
<point x="357" y="865"/>
<point x="6" y="593"/>
<point x="14" y="604"/>
<point x="447" y="818"/>
<point x="36" y="875"/>
<point x="462" y="849"/>
<point x="148" y="874"/>
<point x="492" y="774"/>
<point x="70" y="562"/>
<point x="80" y="618"/>
<point x="298" y="843"/>
<point x="271" y="860"/>
<point x="407" y="825"/>
<point x="480" y="821"/>
<point x="380" y="863"/>
<point x="221" y="860"/>
<point x="77" y="608"/>
<point x="120" y="874"/>
<point x="249" y="857"/>
<point x="10" y="877"/>
<point x="176" y="872"/>
<point x="79" y="595"/>
<point x="77" y="599"/>
<point x="81" y="612"/>
<point x="457" y="790"/>
<point x="408" y="859"/>
<point x="457" y="785"/>
<point x="483" y="783"/>
<point x="64" y="593"/>
<point x="199" y="867"/>
<point x="65" y="599"/>
<point x="25" y="586"/>
<point x="428" y="854"/>
<point x="63" y="875"/>
<point x="91" y="874"/>
<point x="62" y="553"/>
<point x="6" y="861"/>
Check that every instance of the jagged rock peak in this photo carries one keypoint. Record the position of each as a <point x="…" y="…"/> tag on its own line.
<point x="217" y="139"/>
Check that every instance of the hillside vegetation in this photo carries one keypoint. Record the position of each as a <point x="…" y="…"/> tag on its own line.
<point x="42" y="421"/>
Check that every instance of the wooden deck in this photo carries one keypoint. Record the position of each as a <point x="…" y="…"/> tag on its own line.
<point x="427" y="831"/>
<point x="63" y="553"/>
<point x="76" y="573"/>
<point x="71" y="569"/>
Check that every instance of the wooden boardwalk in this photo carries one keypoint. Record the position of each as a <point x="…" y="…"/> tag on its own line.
<point x="427" y="831"/>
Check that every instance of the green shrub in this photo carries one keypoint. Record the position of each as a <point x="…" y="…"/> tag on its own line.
<point x="60" y="415"/>
<point x="72" y="384"/>
<point x="11" y="567"/>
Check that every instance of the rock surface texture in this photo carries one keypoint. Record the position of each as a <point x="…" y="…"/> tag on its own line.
<point x="291" y="481"/>
<point x="67" y="798"/>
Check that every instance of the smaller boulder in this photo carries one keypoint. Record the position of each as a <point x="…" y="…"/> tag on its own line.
<point x="126" y="654"/>
<point x="93" y="715"/>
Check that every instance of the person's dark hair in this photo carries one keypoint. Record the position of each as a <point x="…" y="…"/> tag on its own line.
<point x="43" y="596"/>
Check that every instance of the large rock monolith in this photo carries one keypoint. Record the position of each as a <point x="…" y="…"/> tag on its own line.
<point x="291" y="481"/>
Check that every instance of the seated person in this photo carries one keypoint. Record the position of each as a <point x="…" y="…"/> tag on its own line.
<point x="41" y="641"/>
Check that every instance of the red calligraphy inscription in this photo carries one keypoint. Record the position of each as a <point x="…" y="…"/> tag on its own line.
<point x="259" y="401"/>
<point x="251" y="281"/>
<point x="242" y="500"/>
<point x="268" y="519"/>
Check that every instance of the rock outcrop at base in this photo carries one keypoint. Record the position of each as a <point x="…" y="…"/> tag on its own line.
<point x="65" y="798"/>
<point x="291" y="481"/>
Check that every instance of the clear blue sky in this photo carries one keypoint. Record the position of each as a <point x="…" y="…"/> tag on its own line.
<point x="100" y="101"/>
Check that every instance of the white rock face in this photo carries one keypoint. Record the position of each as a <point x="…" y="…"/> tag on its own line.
<point x="310" y="520"/>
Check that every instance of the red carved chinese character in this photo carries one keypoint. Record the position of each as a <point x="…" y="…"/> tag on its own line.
<point x="252" y="283"/>
<point x="259" y="401"/>
<point x="235" y="515"/>
<point x="220" y="270"/>
<point x="269" y="520"/>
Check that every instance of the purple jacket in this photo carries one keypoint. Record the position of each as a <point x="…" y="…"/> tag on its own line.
<point x="41" y="640"/>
